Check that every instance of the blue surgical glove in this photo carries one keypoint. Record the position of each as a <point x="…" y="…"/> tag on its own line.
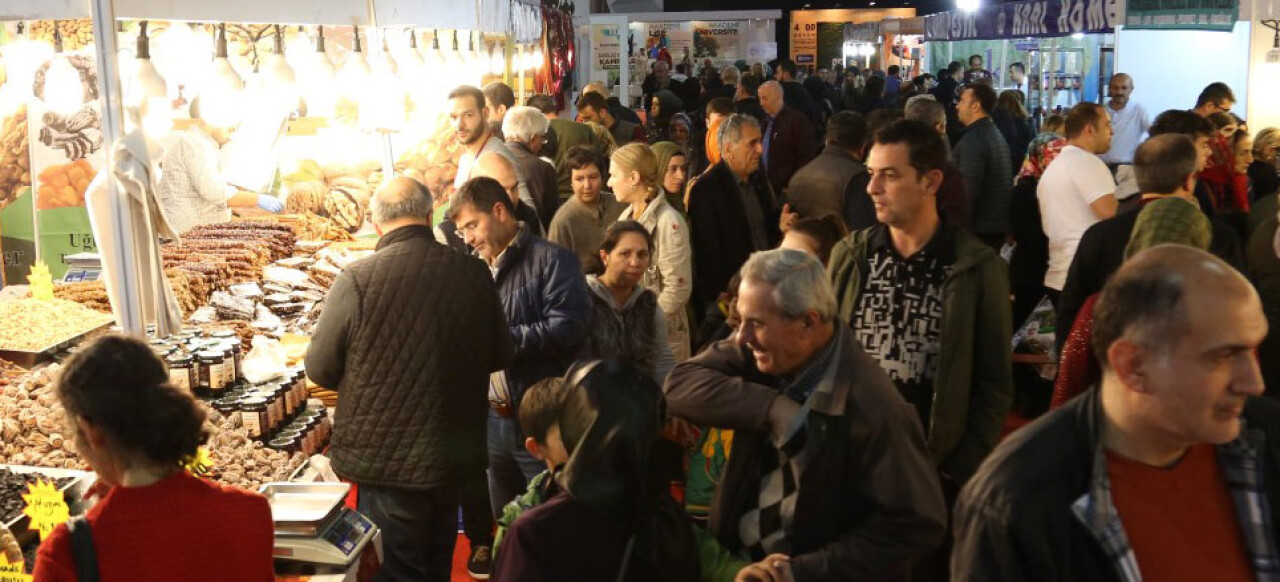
<point x="270" y="203"/>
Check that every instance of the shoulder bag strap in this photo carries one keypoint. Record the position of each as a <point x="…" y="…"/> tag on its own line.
<point x="82" y="550"/>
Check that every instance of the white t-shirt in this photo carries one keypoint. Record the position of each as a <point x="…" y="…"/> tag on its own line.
<point x="1073" y="181"/>
<point x="1127" y="128"/>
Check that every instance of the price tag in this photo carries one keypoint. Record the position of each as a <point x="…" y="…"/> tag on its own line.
<point x="201" y="464"/>
<point x="41" y="281"/>
<point x="11" y="572"/>
<point x="46" y="507"/>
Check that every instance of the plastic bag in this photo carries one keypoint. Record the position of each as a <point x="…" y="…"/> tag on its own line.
<point x="266" y="360"/>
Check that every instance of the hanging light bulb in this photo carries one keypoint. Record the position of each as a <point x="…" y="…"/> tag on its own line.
<point x="317" y="79"/>
<point x="381" y="106"/>
<point x="219" y="101"/>
<point x="357" y="66"/>
<point x="280" y="81"/>
<point x="454" y="65"/>
<point x="497" y="61"/>
<point x="145" y="82"/>
<point x="412" y="57"/>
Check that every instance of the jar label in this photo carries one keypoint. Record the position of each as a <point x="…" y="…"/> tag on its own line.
<point x="181" y="377"/>
<point x="252" y="422"/>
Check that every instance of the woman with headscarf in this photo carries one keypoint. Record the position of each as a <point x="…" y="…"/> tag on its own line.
<point x="662" y="107"/>
<point x="673" y="165"/>
<point x="612" y="517"/>
<point x="1031" y="252"/>
<point x="634" y="178"/>
<point x="1164" y="221"/>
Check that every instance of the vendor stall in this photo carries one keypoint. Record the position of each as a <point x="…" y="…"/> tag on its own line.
<point x="1066" y="50"/>
<point x="693" y="39"/>
<point x="328" y="99"/>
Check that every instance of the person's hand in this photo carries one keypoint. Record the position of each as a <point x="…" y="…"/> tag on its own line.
<point x="788" y="218"/>
<point x="270" y="203"/>
<point x="773" y="568"/>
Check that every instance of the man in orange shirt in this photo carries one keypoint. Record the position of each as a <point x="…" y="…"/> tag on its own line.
<point x="1165" y="470"/>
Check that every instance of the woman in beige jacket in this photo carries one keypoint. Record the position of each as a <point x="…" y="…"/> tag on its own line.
<point x="635" y="180"/>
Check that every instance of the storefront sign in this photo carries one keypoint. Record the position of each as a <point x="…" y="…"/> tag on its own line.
<point x="717" y="40"/>
<point x="1038" y="18"/>
<point x="46" y="507"/>
<point x="676" y="37"/>
<point x="1182" y="14"/>
<point x="804" y="37"/>
<point x="605" y="53"/>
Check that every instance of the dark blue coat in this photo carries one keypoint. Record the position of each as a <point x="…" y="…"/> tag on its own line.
<point x="547" y="304"/>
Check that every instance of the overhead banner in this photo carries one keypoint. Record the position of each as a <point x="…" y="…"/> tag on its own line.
<point x="1040" y="18"/>
<point x="1217" y="15"/>
<point x="675" y="37"/>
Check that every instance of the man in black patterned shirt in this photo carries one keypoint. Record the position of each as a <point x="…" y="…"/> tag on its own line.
<point x="929" y="302"/>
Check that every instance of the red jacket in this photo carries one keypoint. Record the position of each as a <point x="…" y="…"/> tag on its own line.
<point x="1078" y="369"/>
<point x="179" y="528"/>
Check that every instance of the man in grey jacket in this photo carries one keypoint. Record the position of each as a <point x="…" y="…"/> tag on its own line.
<point x="829" y="478"/>
<point x="826" y="184"/>
<point x="983" y="156"/>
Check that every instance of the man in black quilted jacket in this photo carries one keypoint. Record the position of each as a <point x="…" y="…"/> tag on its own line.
<point x="983" y="157"/>
<point x="408" y="339"/>
<point x="547" y="304"/>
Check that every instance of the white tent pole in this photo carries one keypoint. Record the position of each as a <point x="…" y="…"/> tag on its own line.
<point x="129" y="305"/>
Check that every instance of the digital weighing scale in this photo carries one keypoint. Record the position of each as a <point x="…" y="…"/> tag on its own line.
<point x="83" y="267"/>
<point x="313" y="526"/>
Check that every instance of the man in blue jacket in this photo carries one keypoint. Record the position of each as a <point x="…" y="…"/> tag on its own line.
<point x="547" y="305"/>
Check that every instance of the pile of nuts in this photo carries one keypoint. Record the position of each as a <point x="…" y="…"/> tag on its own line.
<point x="76" y="34"/>
<point x="15" y="156"/>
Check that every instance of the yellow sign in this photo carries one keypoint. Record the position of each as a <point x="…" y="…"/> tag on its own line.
<point x="46" y="507"/>
<point x="201" y="464"/>
<point x="11" y="572"/>
<point x="41" y="281"/>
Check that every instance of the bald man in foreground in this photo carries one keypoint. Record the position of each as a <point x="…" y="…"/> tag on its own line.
<point x="1167" y="470"/>
<point x="412" y="379"/>
<point x="788" y="138"/>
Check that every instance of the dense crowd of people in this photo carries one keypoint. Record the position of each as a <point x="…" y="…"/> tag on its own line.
<point x="738" y="356"/>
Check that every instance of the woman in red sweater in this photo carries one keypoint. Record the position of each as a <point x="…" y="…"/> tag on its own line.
<point x="155" y="521"/>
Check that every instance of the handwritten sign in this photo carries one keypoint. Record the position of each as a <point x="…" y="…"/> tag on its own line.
<point x="46" y="507"/>
<point x="12" y="571"/>
<point x="201" y="463"/>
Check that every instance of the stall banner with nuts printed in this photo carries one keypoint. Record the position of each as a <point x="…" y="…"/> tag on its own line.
<point x="17" y="232"/>
<point x="66" y="141"/>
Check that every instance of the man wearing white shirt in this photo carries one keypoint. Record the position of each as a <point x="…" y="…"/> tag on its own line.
<point x="1076" y="191"/>
<point x="469" y="115"/>
<point x="192" y="188"/>
<point x="1129" y="124"/>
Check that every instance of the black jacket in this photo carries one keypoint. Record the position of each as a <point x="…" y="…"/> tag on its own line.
<point x="1014" y="520"/>
<point x="542" y="180"/>
<point x="720" y="235"/>
<point x="1101" y="251"/>
<point x="795" y="95"/>
<point x="750" y="106"/>
<point x="983" y="157"/>
<point x="408" y="339"/>
<point x="791" y="146"/>
<point x="1017" y="134"/>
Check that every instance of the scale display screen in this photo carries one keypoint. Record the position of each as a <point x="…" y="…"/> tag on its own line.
<point x="75" y="275"/>
<point x="346" y="531"/>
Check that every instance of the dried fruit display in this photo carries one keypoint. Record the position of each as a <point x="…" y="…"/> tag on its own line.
<point x="339" y="192"/>
<point x="32" y="427"/>
<point x="13" y="485"/>
<point x="32" y="324"/>
<point x="15" y="156"/>
<point x="64" y="185"/>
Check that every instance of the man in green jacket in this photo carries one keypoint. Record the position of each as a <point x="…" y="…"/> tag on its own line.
<point x="930" y="303"/>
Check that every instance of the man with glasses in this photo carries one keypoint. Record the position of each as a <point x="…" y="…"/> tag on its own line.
<point x="546" y="303"/>
<point x="1217" y="97"/>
